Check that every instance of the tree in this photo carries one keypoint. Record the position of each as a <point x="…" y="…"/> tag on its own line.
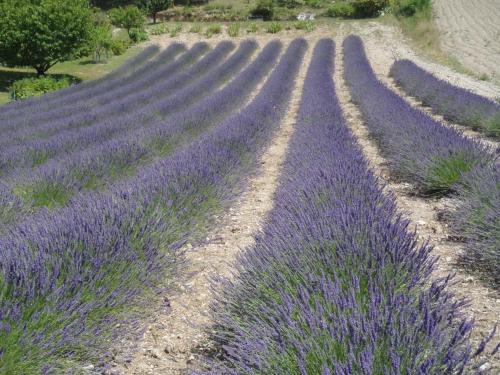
<point x="127" y="18"/>
<point x="152" y="7"/>
<point x="41" y="33"/>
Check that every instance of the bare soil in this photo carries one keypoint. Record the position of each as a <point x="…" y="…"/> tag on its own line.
<point x="471" y="32"/>
<point x="174" y="341"/>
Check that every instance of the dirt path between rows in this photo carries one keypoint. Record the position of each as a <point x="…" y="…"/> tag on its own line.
<point x="174" y="342"/>
<point x="484" y="302"/>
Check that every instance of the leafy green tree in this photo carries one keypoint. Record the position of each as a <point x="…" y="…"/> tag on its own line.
<point x="152" y="7"/>
<point x="127" y="18"/>
<point x="41" y="33"/>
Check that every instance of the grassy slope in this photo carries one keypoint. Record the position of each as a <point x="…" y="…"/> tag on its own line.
<point x="424" y="36"/>
<point x="82" y="69"/>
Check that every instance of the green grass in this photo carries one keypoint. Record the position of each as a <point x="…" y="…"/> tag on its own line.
<point x="83" y="69"/>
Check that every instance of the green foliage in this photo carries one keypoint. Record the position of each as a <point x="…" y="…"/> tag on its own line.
<point x="27" y="87"/>
<point x="195" y="28"/>
<point x="101" y="41"/>
<point x="128" y="18"/>
<point x="264" y="9"/>
<point x="368" y="8"/>
<point x="159" y="29"/>
<point x="138" y="35"/>
<point x="274" y="27"/>
<point x="342" y="9"/>
<point x="357" y="8"/>
<point x="118" y="46"/>
<point x="305" y="25"/>
<point x="233" y="30"/>
<point x="39" y="34"/>
<point x="152" y="7"/>
<point x="212" y="29"/>
<point x="446" y="172"/>
<point x="315" y="3"/>
<point x="288" y="3"/>
<point x="175" y="30"/>
<point x="252" y="28"/>
<point x="407" y="8"/>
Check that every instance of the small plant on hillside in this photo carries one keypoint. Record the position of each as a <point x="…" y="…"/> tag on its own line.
<point x="213" y="29"/>
<point x="305" y="25"/>
<point x="252" y="28"/>
<point x="175" y="30"/>
<point x="233" y="30"/>
<point x="195" y="28"/>
<point x="159" y="29"/>
<point x="274" y="27"/>
<point x="138" y="35"/>
<point x="27" y="87"/>
<point x="341" y="9"/>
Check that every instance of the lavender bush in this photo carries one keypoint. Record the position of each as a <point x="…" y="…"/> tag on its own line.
<point x="69" y="113"/>
<point x="418" y="148"/>
<point x="56" y="181"/>
<point x="67" y="278"/>
<point x="335" y="283"/>
<point x="436" y="158"/>
<point x="454" y="103"/>
<point x="477" y="220"/>
<point x="37" y="151"/>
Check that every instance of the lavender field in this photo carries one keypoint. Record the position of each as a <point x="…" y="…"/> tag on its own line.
<point x="115" y="194"/>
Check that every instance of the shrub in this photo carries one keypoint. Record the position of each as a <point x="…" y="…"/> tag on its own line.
<point x="314" y="3"/>
<point x="305" y="25"/>
<point x="233" y="30"/>
<point x="274" y="27"/>
<point x="368" y="8"/>
<point x="195" y="28"/>
<point x="341" y="10"/>
<point x="27" y="87"/>
<point x="212" y="29"/>
<point x="252" y="28"/>
<point x="408" y="8"/>
<point x="264" y="9"/>
<point x="118" y="46"/>
<point x="159" y="29"/>
<point x="175" y="30"/>
<point x="138" y="35"/>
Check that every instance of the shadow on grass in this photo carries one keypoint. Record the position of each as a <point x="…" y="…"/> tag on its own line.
<point x="9" y="76"/>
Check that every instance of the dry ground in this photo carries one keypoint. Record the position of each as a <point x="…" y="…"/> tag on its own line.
<point x="471" y="32"/>
<point x="173" y="342"/>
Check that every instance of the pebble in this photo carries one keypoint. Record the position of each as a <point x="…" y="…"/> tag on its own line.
<point x="88" y="367"/>
<point x="484" y="367"/>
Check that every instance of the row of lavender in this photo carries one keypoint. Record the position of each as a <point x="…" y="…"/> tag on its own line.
<point x="454" y="103"/>
<point x="37" y="136"/>
<point x="85" y="89"/>
<point x="335" y="284"/>
<point x="68" y="278"/>
<point x="75" y="92"/>
<point x="56" y="181"/>
<point x="436" y="158"/>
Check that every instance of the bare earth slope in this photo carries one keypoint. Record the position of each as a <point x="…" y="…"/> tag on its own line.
<point x="471" y="32"/>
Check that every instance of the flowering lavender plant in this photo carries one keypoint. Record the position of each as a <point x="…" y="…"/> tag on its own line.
<point x="419" y="149"/>
<point x="454" y="103"/>
<point x="335" y="283"/>
<point x="68" y="277"/>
